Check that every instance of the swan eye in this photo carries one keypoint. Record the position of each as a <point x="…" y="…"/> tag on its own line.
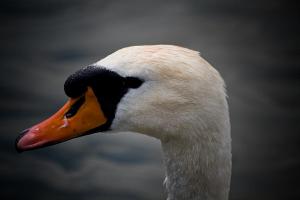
<point x="75" y="107"/>
<point x="133" y="82"/>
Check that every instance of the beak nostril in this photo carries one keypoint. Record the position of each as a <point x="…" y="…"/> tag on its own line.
<point x="75" y="107"/>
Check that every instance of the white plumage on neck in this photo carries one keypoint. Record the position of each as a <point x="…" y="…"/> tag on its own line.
<point x="183" y="103"/>
<point x="197" y="169"/>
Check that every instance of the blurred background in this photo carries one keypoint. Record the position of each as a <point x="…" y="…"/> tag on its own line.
<point x="254" y="44"/>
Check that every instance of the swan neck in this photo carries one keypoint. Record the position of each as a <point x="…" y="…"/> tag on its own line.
<point x="197" y="169"/>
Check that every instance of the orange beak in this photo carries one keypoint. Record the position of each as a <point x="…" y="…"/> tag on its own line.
<point x="77" y="117"/>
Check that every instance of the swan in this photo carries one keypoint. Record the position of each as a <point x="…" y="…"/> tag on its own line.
<point x="167" y="92"/>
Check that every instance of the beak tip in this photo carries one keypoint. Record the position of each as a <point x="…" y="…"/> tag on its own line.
<point x="17" y="147"/>
<point x="19" y="150"/>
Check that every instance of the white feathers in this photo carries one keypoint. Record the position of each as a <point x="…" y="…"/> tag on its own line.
<point x="183" y="103"/>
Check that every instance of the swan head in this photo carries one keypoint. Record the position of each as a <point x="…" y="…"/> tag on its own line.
<point x="159" y="90"/>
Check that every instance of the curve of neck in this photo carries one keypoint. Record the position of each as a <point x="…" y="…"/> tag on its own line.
<point x="197" y="169"/>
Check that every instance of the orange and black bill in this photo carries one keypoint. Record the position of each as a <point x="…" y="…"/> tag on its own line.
<point x="77" y="117"/>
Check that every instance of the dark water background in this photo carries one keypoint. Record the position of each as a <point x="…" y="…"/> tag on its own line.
<point x="254" y="44"/>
